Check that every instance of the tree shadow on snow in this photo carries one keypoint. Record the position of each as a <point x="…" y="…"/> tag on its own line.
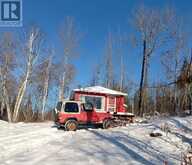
<point x="147" y="148"/>
<point x="181" y="125"/>
<point x="123" y="147"/>
<point x="120" y="140"/>
<point x="186" y="129"/>
<point x="184" y="138"/>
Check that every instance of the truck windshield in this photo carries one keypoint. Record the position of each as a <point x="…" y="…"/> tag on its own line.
<point x="71" y="107"/>
<point x="59" y="106"/>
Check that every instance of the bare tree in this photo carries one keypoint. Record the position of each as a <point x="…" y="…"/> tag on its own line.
<point x="119" y="43"/>
<point x="95" y="79"/>
<point x="70" y="41"/>
<point x="28" y="113"/>
<point x="190" y="81"/>
<point x="2" y="107"/>
<point x="32" y="51"/>
<point x="41" y="79"/>
<point x="70" y="74"/>
<point x="46" y="84"/>
<point x="7" y="65"/>
<point x="6" y="96"/>
<point x="172" y="58"/>
<point x="151" y="25"/>
<point x="184" y="84"/>
<point x="109" y="75"/>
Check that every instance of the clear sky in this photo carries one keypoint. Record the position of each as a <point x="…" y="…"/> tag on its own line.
<point x="94" y="19"/>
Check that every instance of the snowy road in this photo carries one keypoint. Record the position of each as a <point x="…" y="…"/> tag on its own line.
<point x="43" y="144"/>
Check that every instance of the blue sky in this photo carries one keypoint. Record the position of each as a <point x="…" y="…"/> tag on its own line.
<point x="94" y="18"/>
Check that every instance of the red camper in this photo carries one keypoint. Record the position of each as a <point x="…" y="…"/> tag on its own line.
<point x="103" y="99"/>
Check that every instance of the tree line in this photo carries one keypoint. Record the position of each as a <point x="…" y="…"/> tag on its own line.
<point x="32" y="79"/>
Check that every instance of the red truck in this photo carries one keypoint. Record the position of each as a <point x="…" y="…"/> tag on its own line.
<point x="69" y="114"/>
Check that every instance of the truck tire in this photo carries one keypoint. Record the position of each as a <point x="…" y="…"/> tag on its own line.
<point x="71" y="125"/>
<point x="106" y="124"/>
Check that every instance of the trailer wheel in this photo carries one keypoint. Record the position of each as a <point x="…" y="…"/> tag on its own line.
<point x="107" y="124"/>
<point x="71" y="125"/>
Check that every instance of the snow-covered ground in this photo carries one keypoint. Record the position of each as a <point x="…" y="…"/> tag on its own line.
<point x="43" y="144"/>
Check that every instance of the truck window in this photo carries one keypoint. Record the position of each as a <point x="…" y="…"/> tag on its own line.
<point x="59" y="106"/>
<point x="71" y="107"/>
<point x="88" y="107"/>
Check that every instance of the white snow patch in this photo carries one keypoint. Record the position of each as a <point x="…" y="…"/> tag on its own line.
<point x="99" y="89"/>
<point x="42" y="143"/>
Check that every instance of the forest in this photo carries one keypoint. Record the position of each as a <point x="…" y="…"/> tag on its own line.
<point x="32" y="79"/>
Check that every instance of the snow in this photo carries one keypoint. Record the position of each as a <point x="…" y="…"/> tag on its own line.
<point x="125" y="113"/>
<point x="99" y="89"/>
<point x="44" y="144"/>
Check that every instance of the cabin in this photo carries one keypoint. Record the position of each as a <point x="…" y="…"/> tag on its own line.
<point x="103" y="99"/>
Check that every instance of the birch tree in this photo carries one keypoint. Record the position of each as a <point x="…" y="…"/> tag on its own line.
<point x="32" y="52"/>
<point x="5" y="96"/>
<point x="7" y="65"/>
<point x="41" y="79"/>
<point x="46" y="85"/>
<point x="70" y="41"/>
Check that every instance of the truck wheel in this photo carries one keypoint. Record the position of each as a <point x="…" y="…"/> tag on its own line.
<point x="106" y="124"/>
<point x="71" y="125"/>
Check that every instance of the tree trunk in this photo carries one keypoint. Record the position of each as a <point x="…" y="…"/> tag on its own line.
<point x="143" y="80"/>
<point x="62" y="84"/>
<point x="5" y="95"/>
<point x="176" y="108"/>
<point x="21" y="94"/>
<point x="61" y="89"/>
<point x="31" y="55"/>
<point x="2" y="108"/>
<point x="46" y="85"/>
<point x="191" y="103"/>
<point x="121" y="72"/>
<point x="8" y="109"/>
<point x="6" y="99"/>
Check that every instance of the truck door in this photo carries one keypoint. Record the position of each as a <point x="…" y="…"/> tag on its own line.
<point x="91" y="115"/>
<point x="95" y="116"/>
<point x="86" y="115"/>
<point x="83" y="114"/>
